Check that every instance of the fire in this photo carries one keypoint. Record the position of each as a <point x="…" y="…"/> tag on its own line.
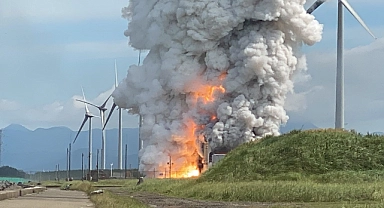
<point x="207" y="94"/>
<point x="193" y="173"/>
<point x="190" y="171"/>
<point x="222" y="76"/>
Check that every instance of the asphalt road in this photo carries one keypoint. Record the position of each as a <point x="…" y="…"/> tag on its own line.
<point x="50" y="198"/>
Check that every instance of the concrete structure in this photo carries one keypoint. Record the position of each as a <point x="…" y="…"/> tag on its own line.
<point x="14" y="193"/>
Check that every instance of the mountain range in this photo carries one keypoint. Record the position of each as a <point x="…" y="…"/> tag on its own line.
<point x="43" y="149"/>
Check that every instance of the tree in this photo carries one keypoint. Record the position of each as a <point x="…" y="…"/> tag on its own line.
<point x="6" y="171"/>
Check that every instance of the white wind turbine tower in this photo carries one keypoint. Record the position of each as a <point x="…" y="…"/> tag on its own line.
<point x="339" y="114"/>
<point x="88" y="115"/>
<point x="120" y="133"/>
<point x="102" y="110"/>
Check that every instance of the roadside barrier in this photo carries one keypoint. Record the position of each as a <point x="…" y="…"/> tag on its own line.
<point x="20" y="192"/>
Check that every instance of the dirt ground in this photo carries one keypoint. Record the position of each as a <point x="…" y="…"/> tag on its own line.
<point x="156" y="200"/>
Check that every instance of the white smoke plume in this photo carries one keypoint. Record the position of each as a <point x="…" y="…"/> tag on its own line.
<point x="216" y="70"/>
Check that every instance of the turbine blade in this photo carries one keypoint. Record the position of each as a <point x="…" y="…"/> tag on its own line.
<point x="86" y="107"/>
<point x="116" y="83"/>
<point x="357" y="17"/>
<point x="105" y="103"/>
<point x="83" y="101"/>
<point x="315" y="6"/>
<point x="81" y="127"/>
<point x="109" y="115"/>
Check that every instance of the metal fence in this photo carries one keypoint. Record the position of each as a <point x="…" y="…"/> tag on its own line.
<point x="101" y="174"/>
<point x="163" y="174"/>
<point x="82" y="174"/>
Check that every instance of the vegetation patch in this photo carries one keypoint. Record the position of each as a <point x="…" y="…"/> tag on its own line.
<point x="7" y="171"/>
<point x="106" y="199"/>
<point x="318" y="166"/>
<point x="321" y="168"/>
<point x="266" y="191"/>
<point x="301" y="154"/>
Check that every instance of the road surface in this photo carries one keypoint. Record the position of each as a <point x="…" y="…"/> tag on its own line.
<point x="50" y="198"/>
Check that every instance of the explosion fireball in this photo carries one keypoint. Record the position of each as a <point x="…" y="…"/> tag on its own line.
<point x="216" y="72"/>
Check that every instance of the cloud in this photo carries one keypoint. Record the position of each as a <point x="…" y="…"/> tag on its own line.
<point x="57" y="10"/>
<point x="297" y="102"/>
<point x="69" y="113"/>
<point x="7" y="105"/>
<point x="363" y="86"/>
<point x="98" y="49"/>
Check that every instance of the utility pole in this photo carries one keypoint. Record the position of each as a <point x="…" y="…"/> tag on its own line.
<point x="111" y="169"/>
<point x="82" y="166"/>
<point x="67" y="163"/>
<point x="58" y="172"/>
<point x="170" y="166"/>
<point x="97" y="165"/>
<point x="89" y="166"/>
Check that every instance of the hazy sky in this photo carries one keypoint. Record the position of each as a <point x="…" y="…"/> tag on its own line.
<point x="50" y="48"/>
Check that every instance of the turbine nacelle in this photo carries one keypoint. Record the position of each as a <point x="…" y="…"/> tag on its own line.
<point x="87" y="115"/>
<point x="101" y="107"/>
<point x="90" y="115"/>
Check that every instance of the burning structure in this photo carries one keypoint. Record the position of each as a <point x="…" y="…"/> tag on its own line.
<point x="216" y="75"/>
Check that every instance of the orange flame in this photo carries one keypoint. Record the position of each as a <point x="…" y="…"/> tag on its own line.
<point x="207" y="94"/>
<point x="222" y="76"/>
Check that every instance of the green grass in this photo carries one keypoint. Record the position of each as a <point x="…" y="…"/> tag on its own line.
<point x="106" y="199"/>
<point x="322" y="168"/>
<point x="300" y="154"/>
<point x="110" y="200"/>
<point x="267" y="191"/>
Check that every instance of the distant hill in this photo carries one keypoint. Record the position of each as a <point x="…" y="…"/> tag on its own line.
<point x="16" y="127"/>
<point x="43" y="149"/>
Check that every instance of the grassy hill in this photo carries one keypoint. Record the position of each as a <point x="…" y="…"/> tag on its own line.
<point x="301" y="154"/>
<point x="318" y="168"/>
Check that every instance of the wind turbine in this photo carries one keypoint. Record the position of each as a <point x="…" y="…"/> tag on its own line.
<point x="102" y="110"/>
<point x="339" y="114"/>
<point x="88" y="115"/>
<point x="120" y="134"/>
